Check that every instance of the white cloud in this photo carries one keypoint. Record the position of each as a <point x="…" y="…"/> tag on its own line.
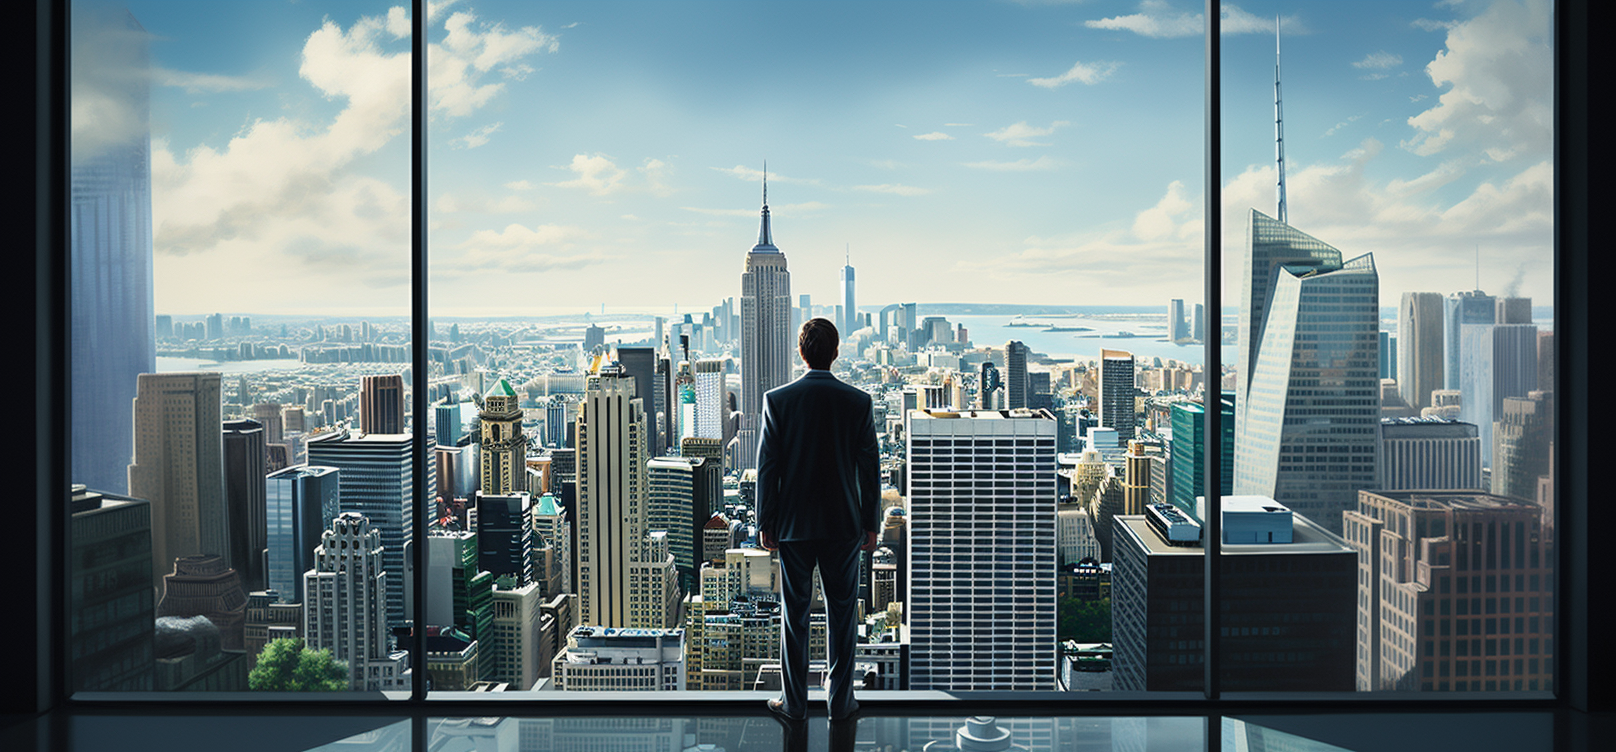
<point x="1426" y="24"/>
<point x="1419" y="233"/>
<point x="596" y="174"/>
<point x="933" y="136"/>
<point x="1499" y="71"/>
<point x="754" y="175"/>
<point x="205" y="83"/>
<point x="1175" y="216"/>
<point x="520" y="185"/>
<point x="1157" y="18"/>
<point x="519" y="248"/>
<point x="657" y="173"/>
<point x="1020" y="165"/>
<point x="1021" y="134"/>
<point x="1380" y="60"/>
<point x="893" y="188"/>
<point x="1088" y="73"/>
<point x="399" y="23"/>
<point x="477" y="137"/>
<point x="774" y="209"/>
<point x="469" y="51"/>
<point x="1154" y="19"/>
<point x="1338" y="126"/>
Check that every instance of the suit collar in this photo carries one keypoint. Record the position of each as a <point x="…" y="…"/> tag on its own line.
<point x="818" y="374"/>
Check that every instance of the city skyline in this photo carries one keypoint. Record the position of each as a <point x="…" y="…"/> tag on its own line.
<point x="1085" y="221"/>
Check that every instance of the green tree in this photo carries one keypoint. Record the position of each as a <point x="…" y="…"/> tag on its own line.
<point x="288" y="665"/>
<point x="1083" y="621"/>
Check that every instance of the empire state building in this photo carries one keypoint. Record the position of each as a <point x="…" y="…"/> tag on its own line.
<point x="765" y="334"/>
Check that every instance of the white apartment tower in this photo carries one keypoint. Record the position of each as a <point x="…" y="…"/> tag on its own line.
<point x="614" y="549"/>
<point x="346" y="611"/>
<point x="982" y="506"/>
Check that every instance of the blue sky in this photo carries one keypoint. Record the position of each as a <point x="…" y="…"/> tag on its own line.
<point x="589" y="153"/>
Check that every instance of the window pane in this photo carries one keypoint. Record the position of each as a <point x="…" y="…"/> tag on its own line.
<point x="1394" y="383"/>
<point x="240" y="292"/>
<point x="610" y="303"/>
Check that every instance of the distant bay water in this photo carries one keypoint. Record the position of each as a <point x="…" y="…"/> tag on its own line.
<point x="1146" y="342"/>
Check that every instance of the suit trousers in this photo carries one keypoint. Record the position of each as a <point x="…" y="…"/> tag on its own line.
<point x="839" y="574"/>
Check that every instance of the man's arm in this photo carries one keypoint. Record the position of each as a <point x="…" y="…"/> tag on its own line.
<point x="869" y="471"/>
<point x="768" y="512"/>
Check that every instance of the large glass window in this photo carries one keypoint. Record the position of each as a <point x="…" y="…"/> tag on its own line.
<point x="608" y="305"/>
<point x="1388" y="240"/>
<point x="240" y="291"/>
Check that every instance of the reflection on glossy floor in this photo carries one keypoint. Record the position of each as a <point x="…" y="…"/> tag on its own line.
<point x="266" y="732"/>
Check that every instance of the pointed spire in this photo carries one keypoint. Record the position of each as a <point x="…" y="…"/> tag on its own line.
<point x="765" y="236"/>
<point x="1279" y="129"/>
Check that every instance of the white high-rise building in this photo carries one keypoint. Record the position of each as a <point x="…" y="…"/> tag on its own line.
<point x="710" y="399"/>
<point x="1429" y="453"/>
<point x="346" y="613"/>
<point x="607" y="659"/>
<point x="982" y="552"/>
<point x="766" y="336"/>
<point x="1307" y="405"/>
<point x="617" y="559"/>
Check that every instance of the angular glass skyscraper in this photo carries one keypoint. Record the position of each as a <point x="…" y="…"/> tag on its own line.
<point x="1307" y="402"/>
<point x="111" y="255"/>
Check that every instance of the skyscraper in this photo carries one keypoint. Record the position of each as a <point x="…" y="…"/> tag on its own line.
<point x="1429" y="453"/>
<point x="244" y="470"/>
<point x="766" y="338"/>
<point x="381" y="404"/>
<point x="640" y="364"/>
<point x="1431" y="564"/>
<point x="1015" y="374"/>
<point x="710" y="399"/>
<point x="849" y="322"/>
<point x="110" y="230"/>
<point x="503" y="468"/>
<point x="671" y="484"/>
<point x="300" y="504"/>
<point x="1189" y="451"/>
<point x="964" y="589"/>
<point x="1288" y="605"/>
<point x="378" y="481"/>
<point x="611" y="503"/>
<point x="1522" y="436"/>
<point x="111" y="577"/>
<point x="1117" y="391"/>
<point x="1458" y="310"/>
<point x="1497" y="361"/>
<point x="178" y="466"/>
<point x="1176" y="329"/>
<point x="1307" y="400"/>
<point x="1419" y="342"/>
<point x="346" y="590"/>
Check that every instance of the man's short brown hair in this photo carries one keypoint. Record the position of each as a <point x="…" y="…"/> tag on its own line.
<point x="818" y="342"/>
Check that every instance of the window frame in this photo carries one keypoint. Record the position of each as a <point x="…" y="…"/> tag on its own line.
<point x="47" y="446"/>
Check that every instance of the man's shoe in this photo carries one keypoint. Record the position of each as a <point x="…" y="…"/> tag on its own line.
<point x="777" y="706"/>
<point x="850" y="715"/>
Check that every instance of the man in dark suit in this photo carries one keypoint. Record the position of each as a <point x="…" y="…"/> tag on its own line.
<point x="818" y="495"/>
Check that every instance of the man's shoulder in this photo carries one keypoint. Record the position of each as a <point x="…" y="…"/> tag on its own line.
<point x="814" y="382"/>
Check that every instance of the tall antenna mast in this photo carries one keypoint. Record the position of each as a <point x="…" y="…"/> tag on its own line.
<point x="1279" y="126"/>
<point x="765" y="183"/>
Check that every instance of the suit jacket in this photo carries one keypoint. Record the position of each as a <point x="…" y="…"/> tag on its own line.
<point x="818" y="468"/>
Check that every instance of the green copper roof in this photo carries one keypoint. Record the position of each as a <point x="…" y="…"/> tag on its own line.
<point x="547" y="506"/>
<point x="504" y="387"/>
